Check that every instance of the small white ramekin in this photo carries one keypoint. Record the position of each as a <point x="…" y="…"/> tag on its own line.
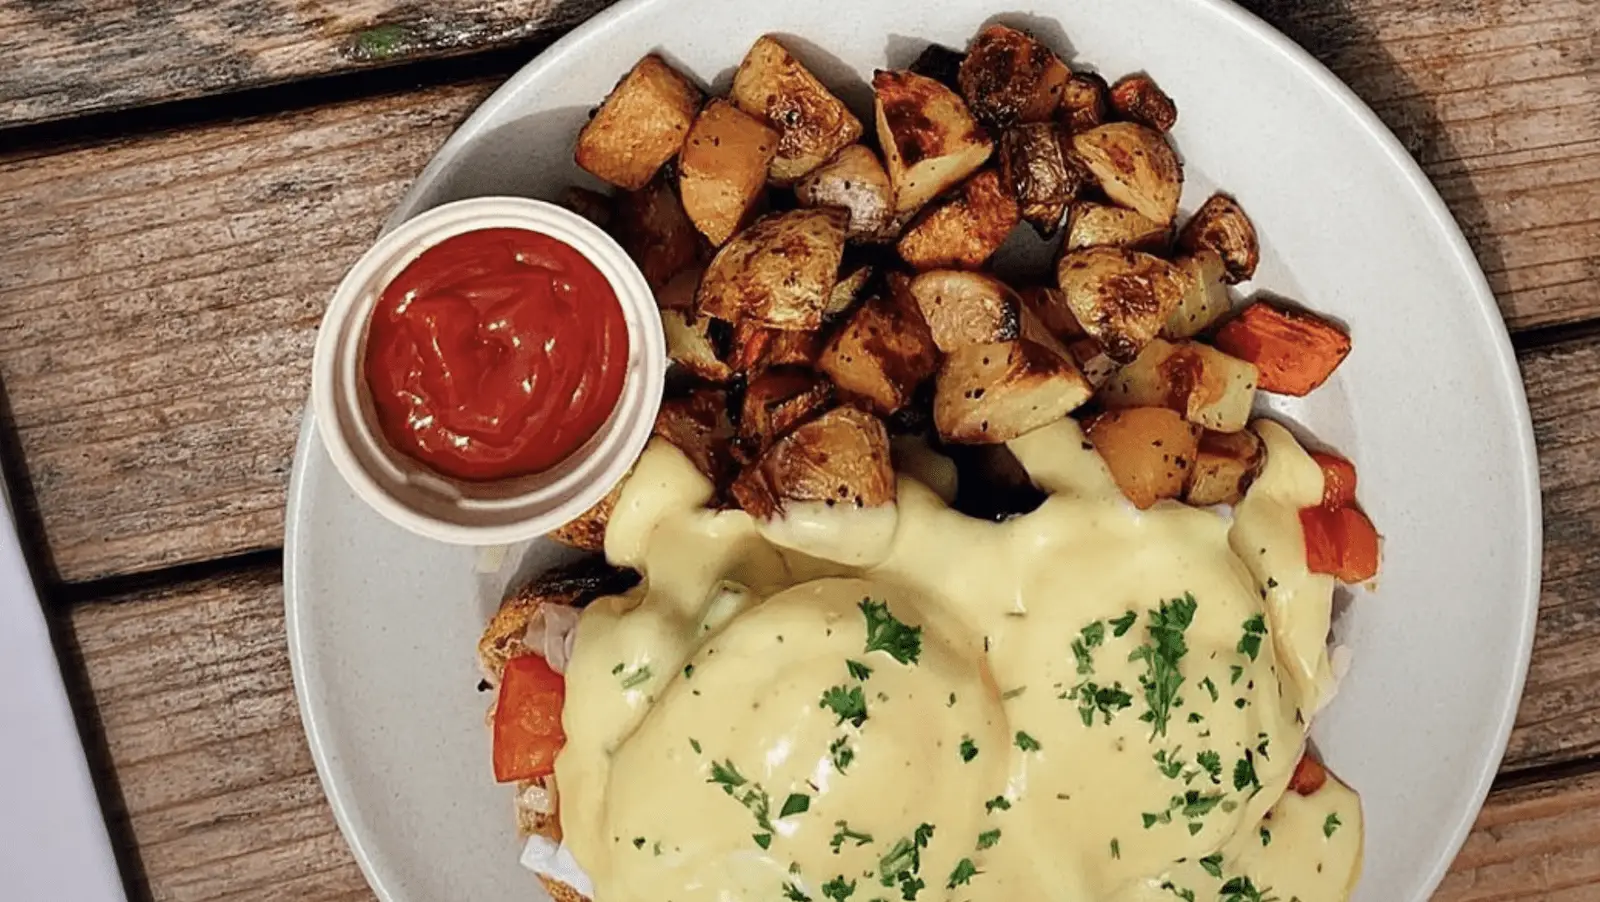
<point x="486" y="513"/>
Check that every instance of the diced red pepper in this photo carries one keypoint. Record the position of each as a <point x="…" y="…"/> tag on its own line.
<point x="1309" y="775"/>
<point x="1294" y="352"/>
<point x="527" y="720"/>
<point x="1338" y="479"/>
<point x="1341" y="542"/>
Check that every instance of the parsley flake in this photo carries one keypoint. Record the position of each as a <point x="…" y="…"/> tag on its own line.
<point x="1244" y="772"/>
<point x="796" y="803"/>
<point x="903" y="861"/>
<point x="1121" y="625"/>
<point x="764" y="840"/>
<point x="1161" y="656"/>
<point x="1000" y="802"/>
<point x="1212" y="762"/>
<point x="837" y="890"/>
<point x="694" y="744"/>
<point x="890" y="636"/>
<point x="1027" y="743"/>
<point x="793" y="893"/>
<point x="987" y="839"/>
<point x="849" y="704"/>
<point x="1242" y="889"/>
<point x="1266" y="837"/>
<point x="843" y="834"/>
<point x="637" y="678"/>
<point x="969" y="749"/>
<point x="858" y="670"/>
<point x="1213" y="864"/>
<point x="1330" y="826"/>
<point x="1250" y="642"/>
<point x="1103" y="700"/>
<point x="1116" y="849"/>
<point x="638" y="842"/>
<point x="842" y="753"/>
<point x="964" y="871"/>
<point x="1209" y="687"/>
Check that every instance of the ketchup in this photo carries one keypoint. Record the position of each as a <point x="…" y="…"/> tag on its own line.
<point x="495" y="354"/>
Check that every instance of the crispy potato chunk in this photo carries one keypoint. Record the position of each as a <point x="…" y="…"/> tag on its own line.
<point x="1205" y="295"/>
<point x="640" y="126"/>
<point x="995" y="392"/>
<point x="1040" y="174"/>
<point x="779" y="272"/>
<point x="1149" y="451"/>
<point x="589" y="530"/>
<point x="694" y="343"/>
<point x="574" y="585"/>
<point x="855" y="181"/>
<point x="841" y="457"/>
<point x="930" y="140"/>
<point x="756" y="347"/>
<point x="1084" y="102"/>
<point x="1049" y="305"/>
<point x="1134" y="166"/>
<point x="1205" y="385"/>
<point x="1009" y="77"/>
<point x="1221" y="226"/>
<point x="1224" y="467"/>
<point x="655" y="231"/>
<point x="967" y="308"/>
<point x="1295" y="351"/>
<point x="1137" y="98"/>
<point x="1092" y="360"/>
<point x="964" y="230"/>
<point x="812" y="124"/>
<point x="775" y="403"/>
<point x="723" y="169"/>
<point x="698" y="424"/>
<point x="847" y="290"/>
<point x="1122" y="298"/>
<point x="883" y="351"/>
<point x="1103" y="225"/>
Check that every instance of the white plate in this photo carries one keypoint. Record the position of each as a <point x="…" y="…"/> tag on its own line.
<point x="1430" y="406"/>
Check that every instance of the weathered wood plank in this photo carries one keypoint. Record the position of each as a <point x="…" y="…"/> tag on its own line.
<point x="223" y="802"/>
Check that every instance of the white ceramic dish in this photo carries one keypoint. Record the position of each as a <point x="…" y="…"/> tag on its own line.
<point x="1430" y="407"/>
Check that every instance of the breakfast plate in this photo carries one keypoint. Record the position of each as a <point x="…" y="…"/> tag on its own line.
<point x="1428" y="406"/>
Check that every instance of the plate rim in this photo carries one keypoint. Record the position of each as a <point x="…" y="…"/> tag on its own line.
<point x="1525" y="479"/>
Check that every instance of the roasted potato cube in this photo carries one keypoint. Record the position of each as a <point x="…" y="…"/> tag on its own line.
<point x="1205" y="295"/>
<point x="883" y="351"/>
<point x="855" y="181"/>
<point x="1137" y="98"/>
<point x="1083" y="102"/>
<point x="693" y="343"/>
<point x="723" y="169"/>
<point x="1134" y="166"/>
<point x="965" y="229"/>
<point x="1102" y="225"/>
<point x="995" y="392"/>
<point x="1008" y="77"/>
<point x="1122" y="298"/>
<point x="640" y="126"/>
<point x="1092" y="360"/>
<point x="967" y="308"/>
<point x="655" y="231"/>
<point x="847" y="290"/>
<point x="775" y="403"/>
<point x="1149" y="451"/>
<point x="588" y="531"/>
<point x="778" y="272"/>
<point x="679" y="292"/>
<point x="1040" y="174"/>
<point x="699" y="425"/>
<point x="1221" y="226"/>
<point x="1207" y="386"/>
<point x="1224" y="467"/>
<point x="930" y="140"/>
<point x="1049" y="305"/>
<point x="811" y="123"/>
<point x="1295" y="351"/>
<point x="839" y="458"/>
<point x="756" y="347"/>
<point x="591" y="205"/>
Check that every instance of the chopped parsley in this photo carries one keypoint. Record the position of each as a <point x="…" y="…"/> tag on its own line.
<point x="793" y="893"/>
<point x="1000" y="802"/>
<point x="1161" y="656"/>
<point x="1235" y="672"/>
<point x="1244" y="772"/>
<point x="694" y="744"/>
<point x="1170" y="764"/>
<point x="638" y="842"/>
<point x="1121" y="625"/>
<point x="1242" y="889"/>
<point x="1209" y="687"/>
<point x="637" y="678"/>
<point x="1010" y="694"/>
<point x="764" y="840"/>
<point x="1250" y="642"/>
<point x="1212" y="762"/>
<point x="858" y="670"/>
<point x="1330" y="826"/>
<point x="987" y="839"/>
<point x="1116" y="849"/>
<point x="842" y="753"/>
<point x="1213" y="864"/>
<point x="837" y="889"/>
<point x="952" y="703"/>
<point x="1266" y="837"/>
<point x="902" y="863"/>
<point x="891" y="636"/>
<point x="688" y="671"/>
<point x="849" y="704"/>
<point x="964" y="871"/>
<point x="969" y="749"/>
<point x="618" y="669"/>
<point x="1187" y="895"/>
<point x="1095" y="699"/>
<point x="843" y="834"/>
<point x="1027" y="743"/>
<point x="725" y="774"/>
<point x="1197" y="805"/>
<point x="751" y="796"/>
<point x="1091" y="637"/>
<point x="796" y="803"/>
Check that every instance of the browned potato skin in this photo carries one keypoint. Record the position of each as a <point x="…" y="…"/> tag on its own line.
<point x="699" y="425"/>
<point x="1224" y="468"/>
<point x="812" y="124"/>
<point x="1049" y="305"/>
<point x="1103" y="225"/>
<point x="1205" y="294"/>
<point x="965" y="230"/>
<point x="1137" y="98"/>
<point x="775" y="403"/>
<point x="756" y="347"/>
<point x="1135" y="167"/>
<point x="690" y="344"/>
<point x="1149" y="451"/>
<point x="1008" y="78"/>
<point x="1084" y="102"/>
<point x="847" y="290"/>
<point x="723" y="168"/>
<point x="930" y="139"/>
<point x="653" y="228"/>
<point x="967" y="308"/>
<point x="1221" y="225"/>
<point x="993" y="393"/>
<point x="779" y="272"/>
<point x="856" y="181"/>
<point x="640" y="126"/>
<point x="839" y="458"/>
<point x="1036" y="167"/>
<point x="588" y="532"/>
<point x="1208" y="387"/>
<point x="883" y="351"/>
<point x="1092" y="360"/>
<point x="1122" y="298"/>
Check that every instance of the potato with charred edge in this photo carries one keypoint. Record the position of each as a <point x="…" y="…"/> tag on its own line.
<point x="1036" y="167"/>
<point x="839" y="458"/>
<point x="1137" y="98"/>
<point x="965" y="229"/>
<point x="930" y="140"/>
<point x="640" y="126"/>
<point x="883" y="351"/>
<point x="653" y="228"/>
<point x="1221" y="226"/>
<point x="853" y="180"/>
<point x="1102" y="225"/>
<point x="1049" y="305"/>
<point x="778" y="272"/>
<point x="1148" y="450"/>
<point x="723" y="168"/>
<point x="993" y="393"/>
<point x="1122" y="298"/>
<point x="775" y="403"/>
<point x="847" y="290"/>
<point x="812" y="124"/>
<point x="1084" y="102"/>
<point x="1224" y="467"/>
<point x="756" y="347"/>
<point x="1009" y="77"/>
<point x="1205" y="295"/>
<point x="698" y="425"/>
<point x="1092" y="360"/>
<point x="1134" y="166"/>
<point x="967" y="308"/>
<point x="693" y="343"/>
<point x="1207" y="386"/>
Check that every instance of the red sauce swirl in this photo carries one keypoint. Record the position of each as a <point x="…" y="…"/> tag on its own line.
<point x="495" y="354"/>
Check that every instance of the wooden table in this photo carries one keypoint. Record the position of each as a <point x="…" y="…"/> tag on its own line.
<point x="183" y="182"/>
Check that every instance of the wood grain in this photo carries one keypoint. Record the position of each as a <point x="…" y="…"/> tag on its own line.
<point x="193" y="692"/>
